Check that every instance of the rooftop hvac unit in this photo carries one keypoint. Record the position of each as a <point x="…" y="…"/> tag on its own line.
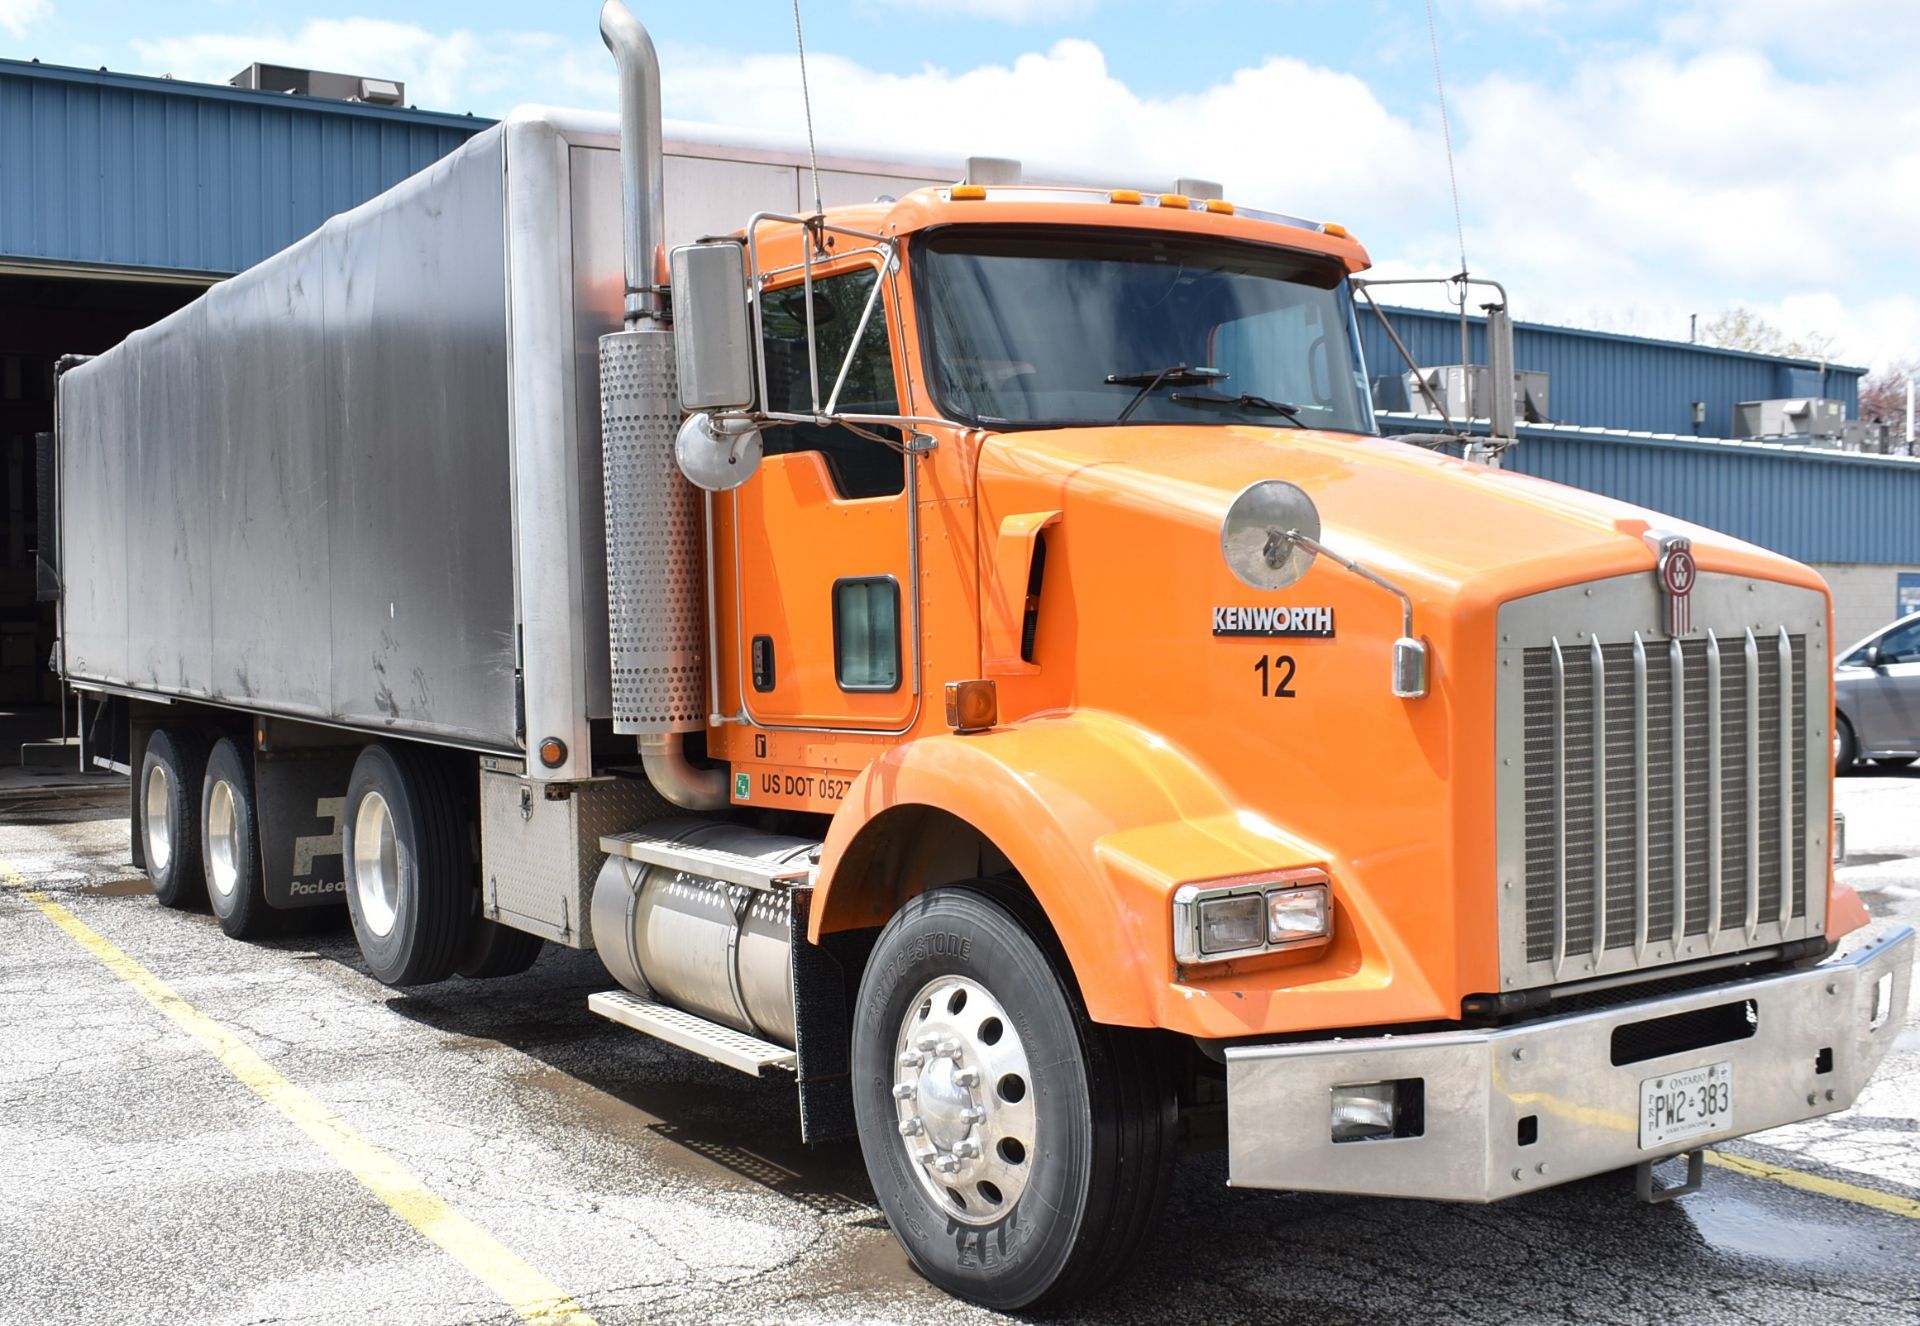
<point x="1795" y="417"/>
<point x="315" y="83"/>
<point x="1462" y="393"/>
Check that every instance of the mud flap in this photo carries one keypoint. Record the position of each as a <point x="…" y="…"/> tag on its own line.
<point x="302" y="800"/>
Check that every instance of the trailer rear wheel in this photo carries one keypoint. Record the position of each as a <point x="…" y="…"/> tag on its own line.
<point x="409" y="879"/>
<point x="1019" y="1151"/>
<point x="230" y="847"/>
<point x="170" y="815"/>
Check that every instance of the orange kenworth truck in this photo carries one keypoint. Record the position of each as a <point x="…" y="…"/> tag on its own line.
<point x="972" y="653"/>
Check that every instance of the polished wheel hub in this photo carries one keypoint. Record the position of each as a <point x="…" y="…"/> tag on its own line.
<point x="376" y="864"/>
<point x="963" y="1092"/>
<point x="159" y="830"/>
<point x="223" y="840"/>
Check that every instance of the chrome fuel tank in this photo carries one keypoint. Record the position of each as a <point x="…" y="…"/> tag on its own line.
<point x="719" y="950"/>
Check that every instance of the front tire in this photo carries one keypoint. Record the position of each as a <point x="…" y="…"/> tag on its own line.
<point x="1019" y="1151"/>
<point x="230" y="847"/>
<point x="170" y="776"/>
<point x="409" y="876"/>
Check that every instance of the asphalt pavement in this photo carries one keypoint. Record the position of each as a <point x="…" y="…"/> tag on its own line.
<point x="198" y="1130"/>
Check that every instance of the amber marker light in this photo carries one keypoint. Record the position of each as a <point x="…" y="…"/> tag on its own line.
<point x="1335" y="229"/>
<point x="553" y="752"/>
<point x="1179" y="200"/>
<point x="1130" y="196"/>
<point x="968" y="193"/>
<point x="972" y="706"/>
<point x="1220" y="207"/>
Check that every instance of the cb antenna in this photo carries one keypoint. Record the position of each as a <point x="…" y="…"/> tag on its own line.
<point x="1453" y="182"/>
<point x="806" y="100"/>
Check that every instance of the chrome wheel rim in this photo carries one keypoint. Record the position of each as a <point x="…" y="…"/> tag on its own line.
<point x="963" y="1097"/>
<point x="223" y="840"/>
<point x="376" y="865"/>
<point x="159" y="828"/>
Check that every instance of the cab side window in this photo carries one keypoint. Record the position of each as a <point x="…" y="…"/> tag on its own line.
<point x="858" y="466"/>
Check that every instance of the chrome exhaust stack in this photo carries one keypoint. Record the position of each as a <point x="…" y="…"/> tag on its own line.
<point x="656" y="608"/>
<point x="642" y="189"/>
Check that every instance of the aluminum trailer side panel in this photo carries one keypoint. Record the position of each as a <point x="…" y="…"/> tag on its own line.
<point x="295" y="494"/>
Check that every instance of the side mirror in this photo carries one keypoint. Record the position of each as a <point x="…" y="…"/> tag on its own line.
<point x="713" y="350"/>
<point x="1873" y="659"/>
<point x="712" y="340"/>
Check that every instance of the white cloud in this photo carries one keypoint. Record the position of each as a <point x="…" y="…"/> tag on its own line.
<point x="1003" y="11"/>
<point x="16" y="16"/>
<point x="1647" y="184"/>
<point x="458" y="70"/>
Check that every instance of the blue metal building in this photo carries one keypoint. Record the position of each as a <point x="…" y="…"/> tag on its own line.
<point x="118" y="171"/>
<point x="1606" y="380"/>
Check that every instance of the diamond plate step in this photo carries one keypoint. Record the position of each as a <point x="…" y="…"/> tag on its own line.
<point x="746" y="871"/>
<point x="723" y="1045"/>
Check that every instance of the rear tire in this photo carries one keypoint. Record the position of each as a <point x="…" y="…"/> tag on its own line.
<point x="1051" y="1187"/>
<point x="1845" y="750"/>
<point x="493" y="950"/>
<point x="169" y="802"/>
<point x="230" y="847"/>
<point x="409" y="873"/>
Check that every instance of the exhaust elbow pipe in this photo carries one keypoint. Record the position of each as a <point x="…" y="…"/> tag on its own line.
<point x="664" y="757"/>
<point x="642" y="192"/>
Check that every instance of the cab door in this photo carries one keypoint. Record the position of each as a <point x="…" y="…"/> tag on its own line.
<point x="823" y="532"/>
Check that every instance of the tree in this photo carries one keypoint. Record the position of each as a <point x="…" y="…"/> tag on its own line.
<point x="1883" y="398"/>
<point x="1741" y="328"/>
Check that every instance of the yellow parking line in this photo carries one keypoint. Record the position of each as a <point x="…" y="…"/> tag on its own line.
<point x="1793" y="1178"/>
<point x="529" y="1293"/>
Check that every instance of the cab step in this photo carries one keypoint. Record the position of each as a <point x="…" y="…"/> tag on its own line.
<point x="723" y="1045"/>
<point x="747" y="871"/>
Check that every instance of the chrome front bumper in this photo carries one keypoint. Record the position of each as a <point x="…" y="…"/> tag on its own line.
<point x="1479" y="1086"/>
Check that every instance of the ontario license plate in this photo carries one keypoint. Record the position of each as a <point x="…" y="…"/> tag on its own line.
<point x="1693" y="1101"/>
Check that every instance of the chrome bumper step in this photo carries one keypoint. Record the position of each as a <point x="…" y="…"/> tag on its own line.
<point x="711" y="1040"/>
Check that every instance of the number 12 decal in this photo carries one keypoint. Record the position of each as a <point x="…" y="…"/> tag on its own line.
<point x="1276" y="676"/>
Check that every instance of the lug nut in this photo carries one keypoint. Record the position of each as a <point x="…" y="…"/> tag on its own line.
<point x="973" y="1114"/>
<point x="904" y="1091"/>
<point x="949" y="1047"/>
<point x="946" y="1164"/>
<point x="967" y="1150"/>
<point x="931" y="1044"/>
<point x="912" y="1059"/>
<point x="967" y="1077"/>
<point x="912" y="1128"/>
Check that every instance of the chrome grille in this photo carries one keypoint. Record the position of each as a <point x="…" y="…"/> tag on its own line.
<point x="1655" y="793"/>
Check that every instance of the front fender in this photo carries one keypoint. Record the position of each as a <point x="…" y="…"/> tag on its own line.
<point x="1103" y="820"/>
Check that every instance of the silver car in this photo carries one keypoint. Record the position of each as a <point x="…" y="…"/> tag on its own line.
<point x="1877" y="692"/>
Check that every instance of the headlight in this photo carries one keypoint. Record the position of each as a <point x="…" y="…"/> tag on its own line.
<point x="1250" y="915"/>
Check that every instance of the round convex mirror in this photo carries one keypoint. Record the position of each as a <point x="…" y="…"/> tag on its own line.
<point x="1253" y="538"/>
<point x="717" y="454"/>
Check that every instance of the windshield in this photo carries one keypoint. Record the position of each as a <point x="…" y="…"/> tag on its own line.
<point x="1036" y="327"/>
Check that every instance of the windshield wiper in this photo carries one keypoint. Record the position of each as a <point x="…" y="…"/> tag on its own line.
<point x="1179" y="375"/>
<point x="1246" y="400"/>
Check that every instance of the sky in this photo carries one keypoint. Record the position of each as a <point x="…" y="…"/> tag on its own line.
<point x="1621" y="164"/>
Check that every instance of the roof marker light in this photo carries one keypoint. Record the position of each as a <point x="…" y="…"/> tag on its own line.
<point x="1335" y="229"/>
<point x="1219" y="207"/>
<point x="968" y="193"/>
<point x="1179" y="200"/>
<point x="1130" y="196"/>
